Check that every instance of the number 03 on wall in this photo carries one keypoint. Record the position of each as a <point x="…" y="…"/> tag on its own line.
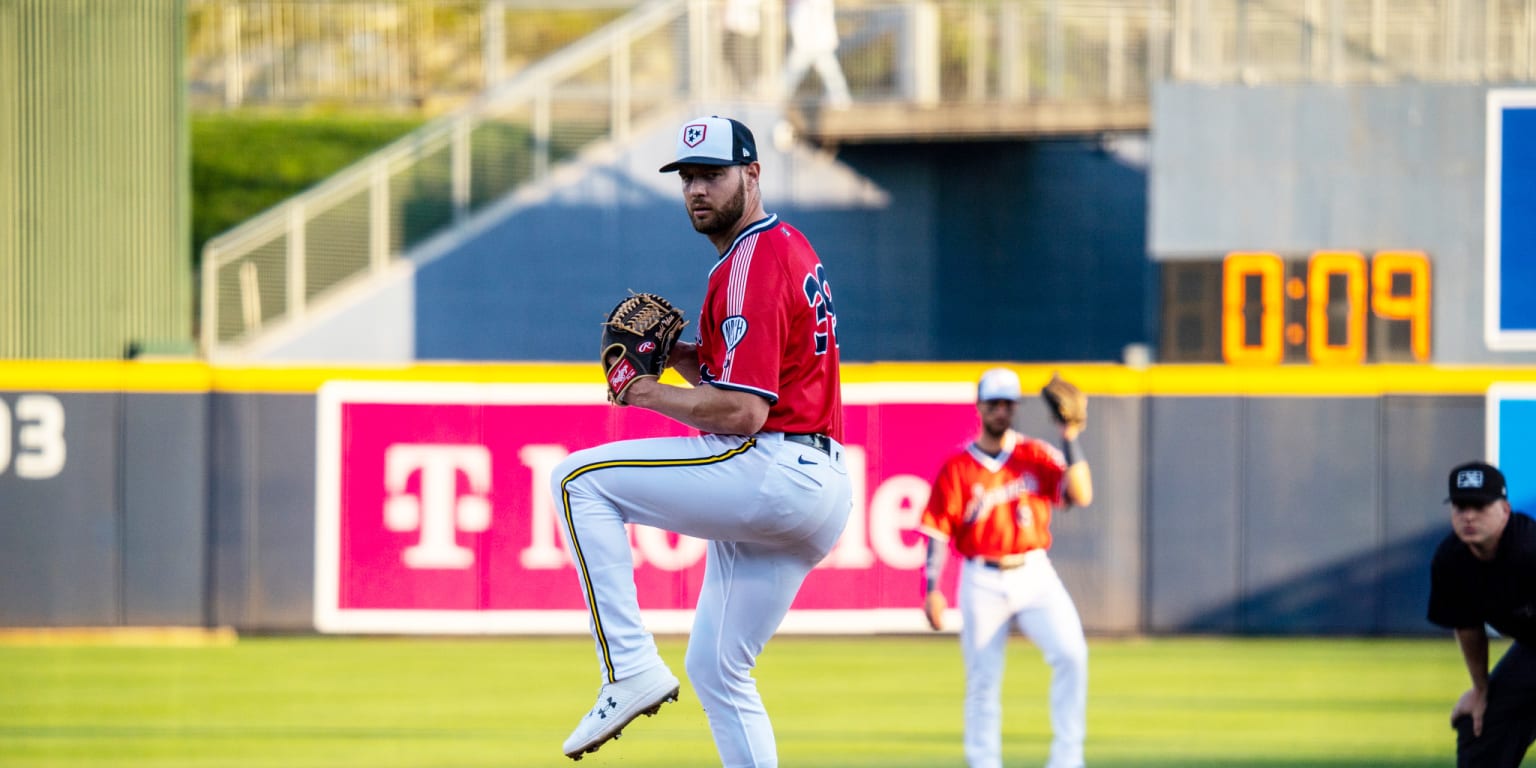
<point x="1273" y="309"/>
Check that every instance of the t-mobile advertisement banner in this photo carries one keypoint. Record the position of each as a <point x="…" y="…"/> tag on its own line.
<point x="434" y="513"/>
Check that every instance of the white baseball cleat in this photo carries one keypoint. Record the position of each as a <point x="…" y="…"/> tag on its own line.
<point x="617" y="705"/>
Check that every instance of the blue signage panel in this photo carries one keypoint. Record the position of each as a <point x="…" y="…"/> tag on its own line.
<point x="1511" y="426"/>
<point x="1510" y="209"/>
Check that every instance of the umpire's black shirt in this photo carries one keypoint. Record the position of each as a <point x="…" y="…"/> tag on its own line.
<point x="1466" y="592"/>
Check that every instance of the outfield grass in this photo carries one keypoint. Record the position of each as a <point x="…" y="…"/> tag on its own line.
<point x="890" y="702"/>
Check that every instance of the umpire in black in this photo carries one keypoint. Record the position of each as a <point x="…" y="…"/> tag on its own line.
<point x="1484" y="574"/>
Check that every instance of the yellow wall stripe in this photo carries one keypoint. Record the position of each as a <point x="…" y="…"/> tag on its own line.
<point x="1095" y="378"/>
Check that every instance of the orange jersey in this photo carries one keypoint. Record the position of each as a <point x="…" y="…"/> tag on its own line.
<point x="991" y="508"/>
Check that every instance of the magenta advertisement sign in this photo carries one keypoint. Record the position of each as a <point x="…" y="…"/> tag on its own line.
<point x="433" y="510"/>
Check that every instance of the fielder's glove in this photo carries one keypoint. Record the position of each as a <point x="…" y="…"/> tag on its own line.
<point x="1067" y="404"/>
<point x="637" y="338"/>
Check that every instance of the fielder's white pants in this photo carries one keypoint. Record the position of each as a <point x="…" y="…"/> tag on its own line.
<point x="771" y="510"/>
<point x="1032" y="597"/>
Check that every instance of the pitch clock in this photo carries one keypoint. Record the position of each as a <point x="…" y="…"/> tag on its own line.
<point x="1324" y="308"/>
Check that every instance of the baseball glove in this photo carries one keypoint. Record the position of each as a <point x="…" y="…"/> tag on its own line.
<point x="1067" y="404"/>
<point x="637" y="338"/>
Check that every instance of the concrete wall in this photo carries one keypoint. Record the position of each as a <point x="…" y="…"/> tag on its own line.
<point x="1296" y="168"/>
<point x="119" y="534"/>
<point x="1299" y="515"/>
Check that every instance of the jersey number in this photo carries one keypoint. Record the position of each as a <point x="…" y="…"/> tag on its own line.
<point x="818" y="292"/>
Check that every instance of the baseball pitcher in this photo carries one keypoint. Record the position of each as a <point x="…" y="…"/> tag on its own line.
<point x="764" y="481"/>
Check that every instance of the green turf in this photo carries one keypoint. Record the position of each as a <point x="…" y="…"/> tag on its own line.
<point x="890" y="702"/>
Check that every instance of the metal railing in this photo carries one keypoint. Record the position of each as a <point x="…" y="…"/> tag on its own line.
<point x="921" y="54"/>
<point x="1354" y="41"/>
<point x="408" y="54"/>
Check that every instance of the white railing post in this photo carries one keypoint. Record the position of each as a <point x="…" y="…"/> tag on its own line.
<point x="493" y="42"/>
<point x="1157" y="51"/>
<point x="1207" y="35"/>
<point x="1378" y="40"/>
<point x="698" y="51"/>
<point x="1182" y="44"/>
<point x="1055" y="59"/>
<point x="1312" y="35"/>
<point x="459" y="168"/>
<point x="1450" y="30"/>
<point x="296" y="260"/>
<point x="1530" y="39"/>
<point x="378" y="217"/>
<point x="1491" y="42"/>
<point x="920" y="75"/>
<point x="1012" y="53"/>
<point x="234" y="76"/>
<point x="619" y="98"/>
<point x="1115" y="49"/>
<point x="1335" y="42"/>
<point x="976" y="53"/>
<point x="1240" y="68"/>
<point x="210" y="313"/>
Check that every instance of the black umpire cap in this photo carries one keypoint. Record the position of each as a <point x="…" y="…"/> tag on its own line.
<point x="1476" y="484"/>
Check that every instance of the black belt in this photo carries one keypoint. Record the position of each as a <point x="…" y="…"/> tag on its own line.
<point x="819" y="442"/>
<point x="1014" y="561"/>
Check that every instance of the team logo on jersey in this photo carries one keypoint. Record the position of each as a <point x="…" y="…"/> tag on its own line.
<point x="693" y="135"/>
<point x="734" y="329"/>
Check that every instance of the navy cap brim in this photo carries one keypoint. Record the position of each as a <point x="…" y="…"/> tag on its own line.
<point x="1467" y="499"/>
<point x="675" y="164"/>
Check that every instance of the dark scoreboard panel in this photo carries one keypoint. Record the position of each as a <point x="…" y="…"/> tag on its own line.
<point x="1323" y="308"/>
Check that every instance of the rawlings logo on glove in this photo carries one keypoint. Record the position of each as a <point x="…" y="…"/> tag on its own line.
<point x="637" y="338"/>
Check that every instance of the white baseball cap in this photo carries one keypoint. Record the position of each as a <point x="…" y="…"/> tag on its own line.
<point x="998" y="384"/>
<point x="713" y="140"/>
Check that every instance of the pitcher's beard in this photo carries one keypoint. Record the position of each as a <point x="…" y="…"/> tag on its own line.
<point x="725" y="217"/>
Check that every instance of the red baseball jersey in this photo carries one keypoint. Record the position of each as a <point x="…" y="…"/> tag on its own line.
<point x="990" y="507"/>
<point x="768" y="327"/>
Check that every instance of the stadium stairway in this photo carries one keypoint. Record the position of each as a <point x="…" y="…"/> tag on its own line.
<point x="519" y="278"/>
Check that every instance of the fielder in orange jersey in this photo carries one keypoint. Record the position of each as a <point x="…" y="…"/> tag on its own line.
<point x="993" y="502"/>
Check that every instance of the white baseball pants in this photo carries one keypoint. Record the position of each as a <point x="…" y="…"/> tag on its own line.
<point x="1033" y="597"/>
<point x="771" y="510"/>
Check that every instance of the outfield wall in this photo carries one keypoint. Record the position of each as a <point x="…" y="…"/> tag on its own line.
<point x="1280" y="500"/>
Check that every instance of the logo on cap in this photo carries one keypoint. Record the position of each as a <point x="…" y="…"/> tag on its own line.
<point x="693" y="135"/>
<point x="1469" y="478"/>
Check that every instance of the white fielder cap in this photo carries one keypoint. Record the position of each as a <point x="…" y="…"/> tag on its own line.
<point x="998" y="384"/>
<point x="713" y="140"/>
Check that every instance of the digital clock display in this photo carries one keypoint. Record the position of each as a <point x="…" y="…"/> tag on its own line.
<point x="1326" y="308"/>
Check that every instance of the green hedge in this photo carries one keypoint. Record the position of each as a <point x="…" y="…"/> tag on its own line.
<point x="244" y="163"/>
